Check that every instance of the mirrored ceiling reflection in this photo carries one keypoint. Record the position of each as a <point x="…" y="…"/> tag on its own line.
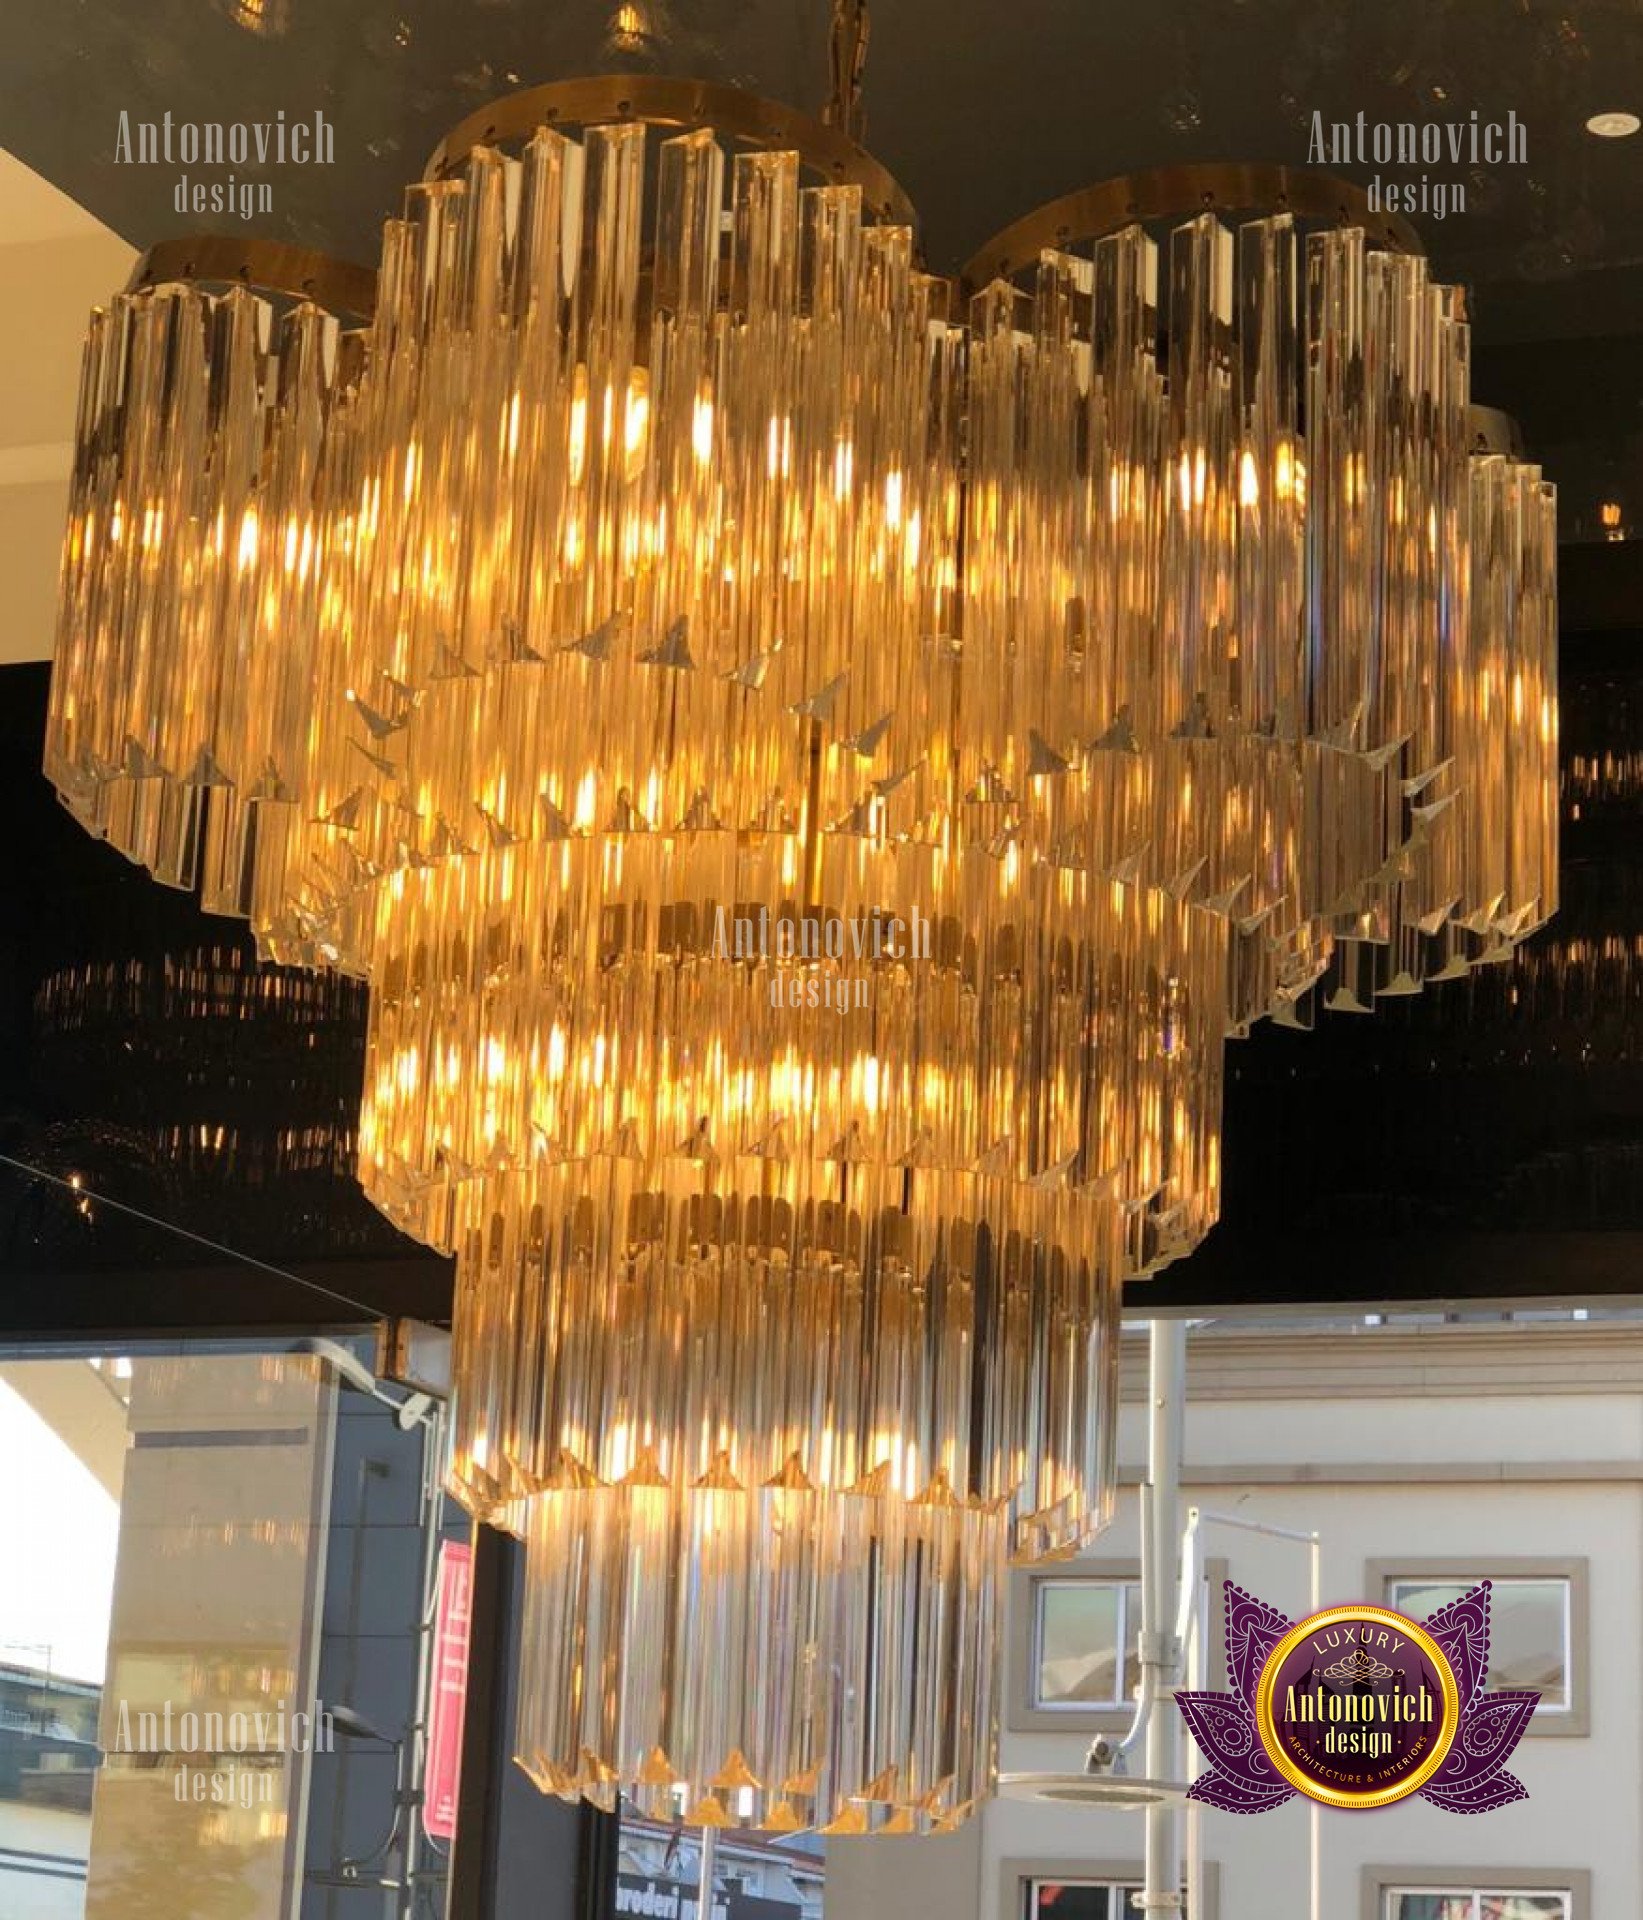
<point x="390" y="77"/>
<point x="983" y="110"/>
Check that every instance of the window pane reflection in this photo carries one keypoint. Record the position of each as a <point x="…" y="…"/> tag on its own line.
<point x="1081" y="1626"/>
<point x="1481" y="1905"/>
<point x="1078" y="1900"/>
<point x="1528" y="1630"/>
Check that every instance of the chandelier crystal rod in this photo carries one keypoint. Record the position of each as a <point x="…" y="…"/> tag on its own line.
<point x="812" y="766"/>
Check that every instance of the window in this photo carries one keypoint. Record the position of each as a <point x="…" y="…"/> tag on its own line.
<point x="756" y="1876"/>
<point x="1537" y="1624"/>
<point x="1090" y="1890"/>
<point x="1528" y="1630"/>
<point x="1074" y="1644"/>
<point x="1477" y="1893"/>
<point x="1086" y="1645"/>
<point x="1482" y="1903"/>
<point x="1078" y="1900"/>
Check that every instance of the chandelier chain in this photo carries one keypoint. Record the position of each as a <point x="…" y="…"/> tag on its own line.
<point x="850" y="31"/>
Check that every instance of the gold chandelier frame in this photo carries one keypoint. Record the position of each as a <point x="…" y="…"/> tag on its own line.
<point x="1179" y="193"/>
<point x="261" y="266"/>
<point x="657" y="100"/>
<point x="1087" y="213"/>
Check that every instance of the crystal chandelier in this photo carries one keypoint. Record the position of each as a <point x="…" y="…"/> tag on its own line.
<point x="812" y="771"/>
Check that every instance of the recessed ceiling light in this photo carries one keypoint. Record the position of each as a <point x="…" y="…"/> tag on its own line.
<point x="1613" y="126"/>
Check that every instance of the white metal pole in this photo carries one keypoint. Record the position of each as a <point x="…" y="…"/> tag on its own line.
<point x="704" y="1879"/>
<point x="1160" y="1600"/>
<point x="1197" y="1678"/>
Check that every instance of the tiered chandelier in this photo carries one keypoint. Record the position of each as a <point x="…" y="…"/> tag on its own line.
<point x="812" y="774"/>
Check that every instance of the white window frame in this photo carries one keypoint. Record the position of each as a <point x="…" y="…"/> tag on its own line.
<point x="1382" y="1884"/>
<point x="1569" y="1721"/>
<point x="1476" y="1895"/>
<point x="1021" y="1876"/>
<point x="1053" y="1582"/>
<point x="1028" y="1909"/>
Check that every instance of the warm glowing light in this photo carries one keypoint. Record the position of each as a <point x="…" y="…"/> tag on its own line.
<point x="810" y="782"/>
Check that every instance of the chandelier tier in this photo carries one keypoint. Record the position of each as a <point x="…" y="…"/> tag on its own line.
<point x="812" y="772"/>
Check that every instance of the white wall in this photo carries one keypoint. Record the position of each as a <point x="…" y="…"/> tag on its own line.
<point x="1584" y="1794"/>
<point x="56" y="262"/>
<point x="42" y="1862"/>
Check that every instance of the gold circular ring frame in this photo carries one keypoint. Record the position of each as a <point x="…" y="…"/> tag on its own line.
<point x="265" y="266"/>
<point x="1273" y="1747"/>
<point x="658" y="101"/>
<point x="1179" y="193"/>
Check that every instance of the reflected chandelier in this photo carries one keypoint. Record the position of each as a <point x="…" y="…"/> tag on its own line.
<point x="812" y="772"/>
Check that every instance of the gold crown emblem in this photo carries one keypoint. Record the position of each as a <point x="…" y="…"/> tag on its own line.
<point x="1359" y="1664"/>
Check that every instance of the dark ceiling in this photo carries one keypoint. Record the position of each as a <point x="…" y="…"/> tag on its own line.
<point x="1480" y="1142"/>
<point x="1486" y="1139"/>
<point x="983" y="110"/>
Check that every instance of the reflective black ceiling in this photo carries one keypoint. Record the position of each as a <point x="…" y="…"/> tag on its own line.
<point x="983" y="110"/>
<point x="1508" y="1119"/>
<point x="1481" y="1141"/>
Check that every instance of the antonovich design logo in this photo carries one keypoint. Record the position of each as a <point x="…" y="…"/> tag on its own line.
<point x="1357" y="1707"/>
<point x="213" y="144"/>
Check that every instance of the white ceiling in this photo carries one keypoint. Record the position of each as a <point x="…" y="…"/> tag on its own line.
<point x="33" y="209"/>
<point x="56" y="262"/>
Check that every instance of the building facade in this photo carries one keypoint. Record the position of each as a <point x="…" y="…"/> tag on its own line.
<point x="755" y="1876"/>
<point x="1426" y="1456"/>
<point x="48" y="1761"/>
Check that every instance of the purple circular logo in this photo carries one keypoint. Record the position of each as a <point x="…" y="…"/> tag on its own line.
<point x="1357" y="1706"/>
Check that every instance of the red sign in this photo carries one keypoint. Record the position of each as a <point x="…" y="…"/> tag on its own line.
<point x="453" y="1614"/>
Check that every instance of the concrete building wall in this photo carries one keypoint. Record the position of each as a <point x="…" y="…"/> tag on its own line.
<point x="1474" y="1445"/>
<point x="908" y="1878"/>
<point x="199" y="1810"/>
